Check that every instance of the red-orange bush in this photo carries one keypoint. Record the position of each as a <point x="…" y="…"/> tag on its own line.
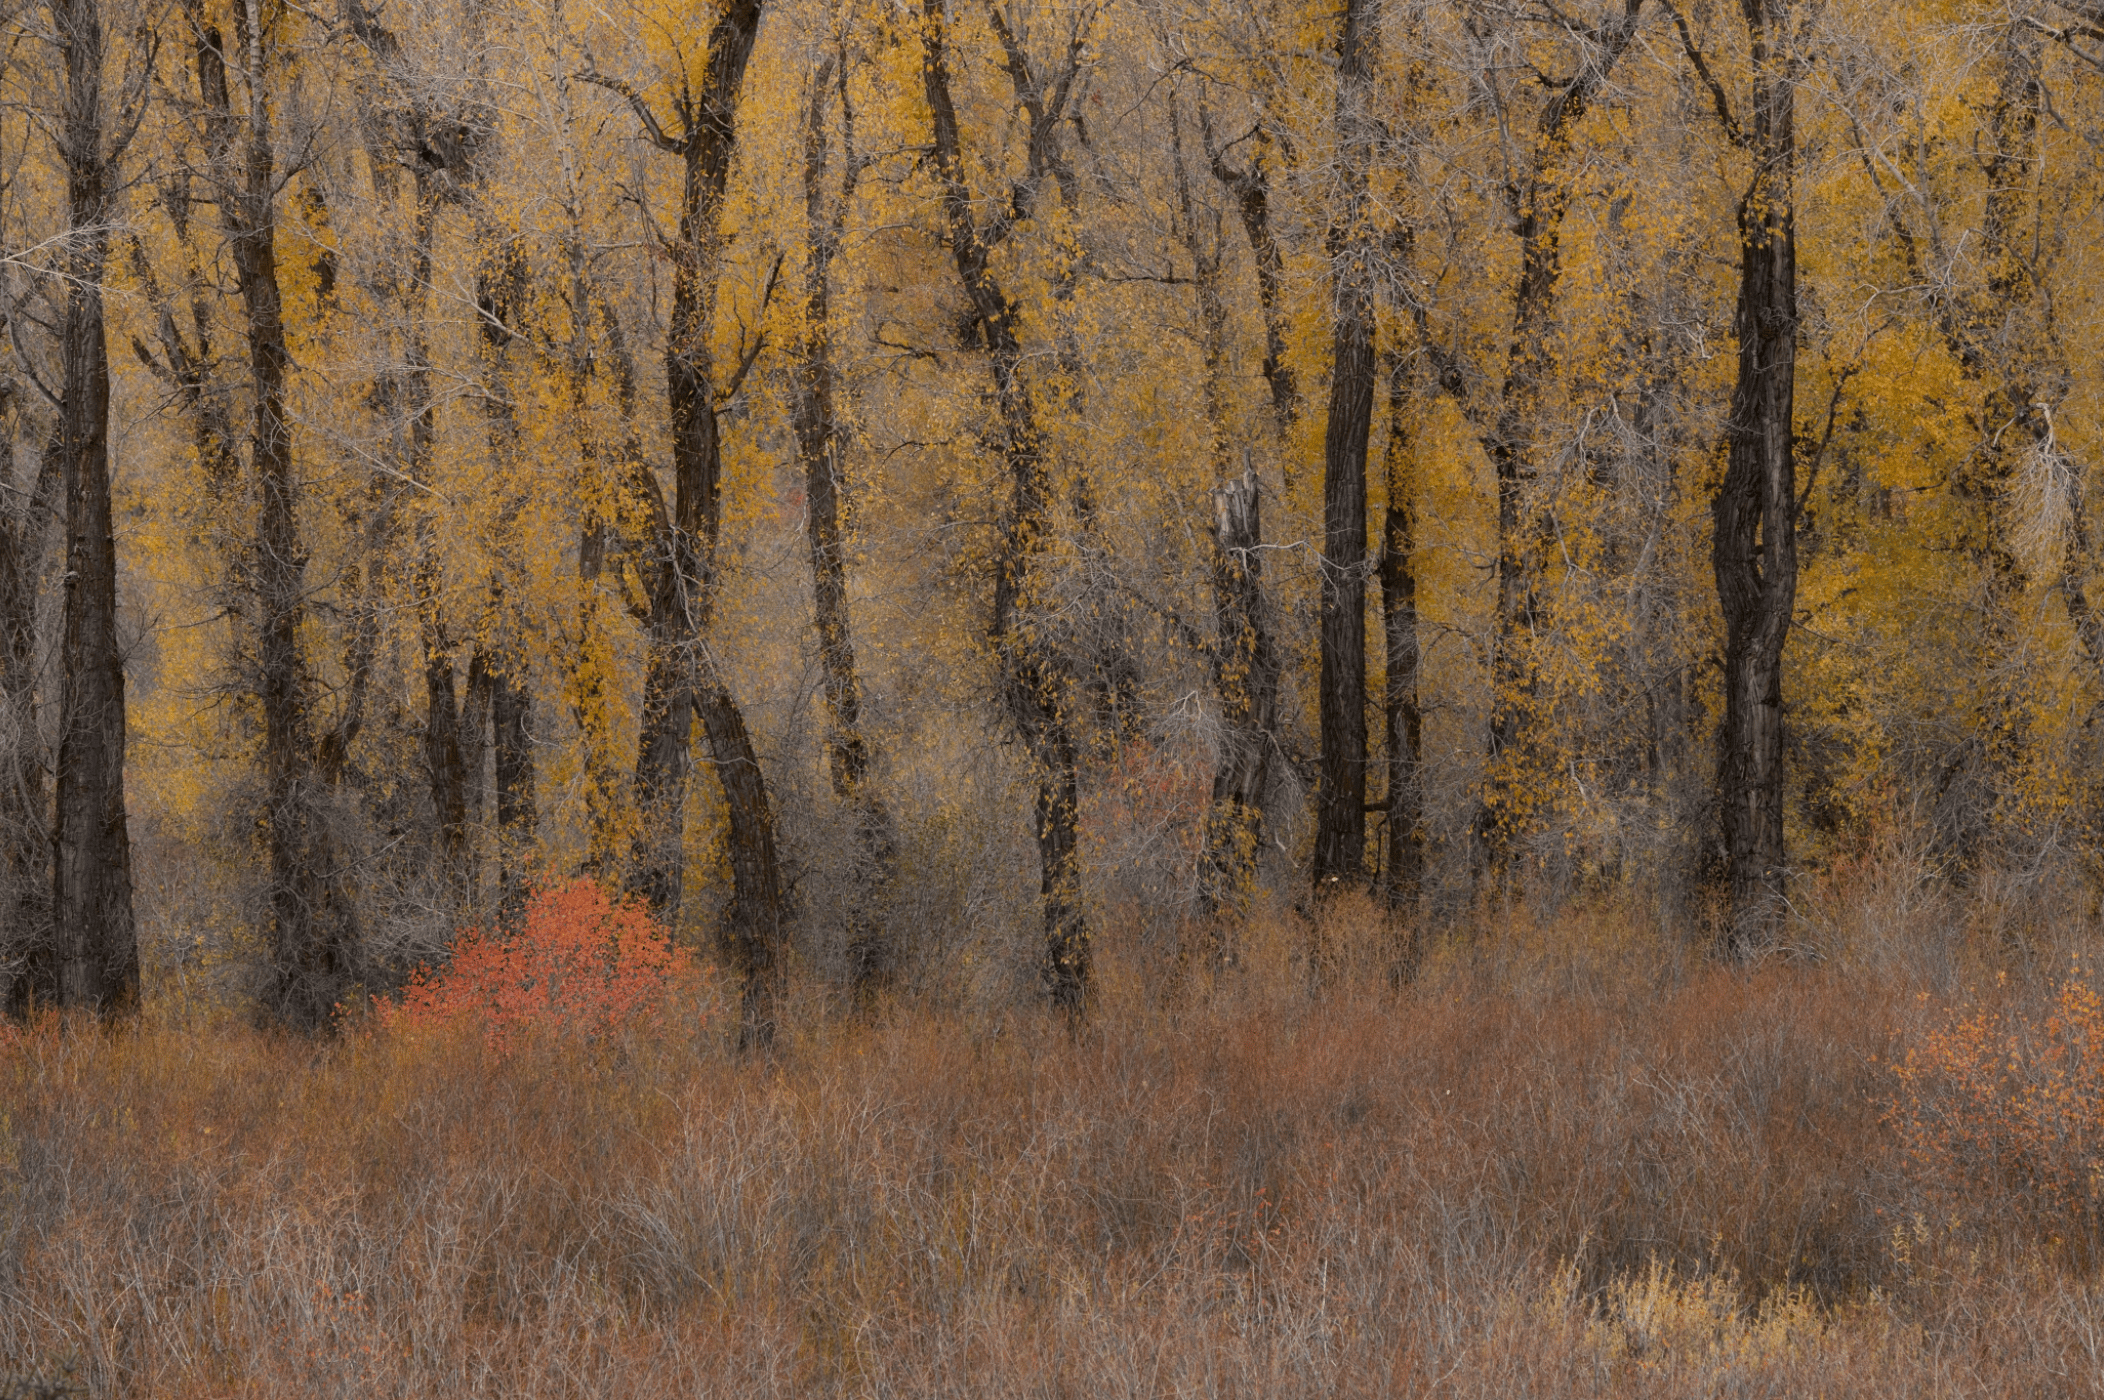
<point x="2003" y="1113"/>
<point x="579" y="963"/>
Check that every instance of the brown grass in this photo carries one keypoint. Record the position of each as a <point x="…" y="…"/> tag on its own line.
<point x="1571" y="1158"/>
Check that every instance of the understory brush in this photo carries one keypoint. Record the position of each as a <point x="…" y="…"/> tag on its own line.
<point x="1568" y="1156"/>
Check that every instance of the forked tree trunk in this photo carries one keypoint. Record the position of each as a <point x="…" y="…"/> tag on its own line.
<point x="1538" y="208"/>
<point x="1754" y="552"/>
<point x="445" y="765"/>
<point x="1340" y="830"/>
<point x="1251" y="188"/>
<point x="96" y="952"/>
<point x="682" y="675"/>
<point x="1036" y="682"/>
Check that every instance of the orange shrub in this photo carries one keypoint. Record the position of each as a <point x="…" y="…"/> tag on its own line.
<point x="579" y="963"/>
<point x="2002" y="1113"/>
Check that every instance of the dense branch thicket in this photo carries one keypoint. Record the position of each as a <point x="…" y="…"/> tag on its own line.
<point x="904" y="490"/>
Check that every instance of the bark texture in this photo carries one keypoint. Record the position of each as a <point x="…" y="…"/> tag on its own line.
<point x="29" y="973"/>
<point x="96" y="952"/>
<point x="1403" y="863"/>
<point x="683" y="678"/>
<point x="1754" y="550"/>
<point x="1340" y="831"/>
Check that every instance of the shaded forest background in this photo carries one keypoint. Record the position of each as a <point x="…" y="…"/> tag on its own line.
<point x="900" y="489"/>
<point x="1374" y="698"/>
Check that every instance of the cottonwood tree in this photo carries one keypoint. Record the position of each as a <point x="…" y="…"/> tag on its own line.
<point x="684" y="678"/>
<point x="88" y="102"/>
<point x="1037" y="679"/>
<point x="1754" y="550"/>
<point x="313" y="933"/>
<point x="821" y="440"/>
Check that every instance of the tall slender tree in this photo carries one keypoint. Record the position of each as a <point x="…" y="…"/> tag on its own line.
<point x="314" y="939"/>
<point x="1340" y="832"/>
<point x="684" y="677"/>
<point x="819" y="444"/>
<point x="1036" y="679"/>
<point x="1754" y="549"/>
<point x="95" y="953"/>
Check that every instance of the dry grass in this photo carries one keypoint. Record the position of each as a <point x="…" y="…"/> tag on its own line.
<point x="1571" y="1158"/>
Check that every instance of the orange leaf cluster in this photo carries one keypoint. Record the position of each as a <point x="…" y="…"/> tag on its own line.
<point x="580" y="963"/>
<point x="2005" y="1112"/>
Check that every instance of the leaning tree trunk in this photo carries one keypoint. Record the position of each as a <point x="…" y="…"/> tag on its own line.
<point x="1340" y="830"/>
<point x="1251" y="189"/>
<point x="96" y="952"/>
<point x="1755" y="547"/>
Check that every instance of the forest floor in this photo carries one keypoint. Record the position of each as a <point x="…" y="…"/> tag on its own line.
<point x="1571" y="1156"/>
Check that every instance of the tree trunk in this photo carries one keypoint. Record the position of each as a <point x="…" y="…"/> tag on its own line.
<point x="1251" y="189"/>
<point x="501" y="292"/>
<point x="1340" y="833"/>
<point x="1245" y="664"/>
<point x="444" y="765"/>
<point x="97" y="943"/>
<point x="1755" y="546"/>
<point x="511" y="731"/>
<point x="313" y="933"/>
<point x="682" y="674"/>
<point x="817" y="430"/>
<point x="1035" y="681"/>
<point x="1404" y="860"/>
<point x="1246" y="675"/>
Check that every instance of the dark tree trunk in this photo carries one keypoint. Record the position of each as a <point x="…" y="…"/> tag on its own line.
<point x="511" y="730"/>
<point x="444" y="763"/>
<point x="1754" y="552"/>
<point x="1246" y="675"/>
<point x="1251" y="189"/>
<point x="313" y="933"/>
<point x="817" y="430"/>
<point x="1404" y="859"/>
<point x="501" y="292"/>
<point x="1340" y="831"/>
<point x="1035" y="679"/>
<point x="96" y="951"/>
<point x="682" y="676"/>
